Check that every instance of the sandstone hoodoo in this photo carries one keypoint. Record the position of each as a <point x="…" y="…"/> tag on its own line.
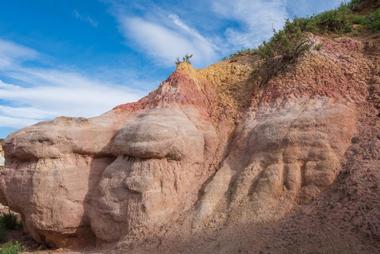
<point x="215" y="161"/>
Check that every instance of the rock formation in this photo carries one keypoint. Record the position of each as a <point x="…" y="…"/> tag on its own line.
<point x="202" y="159"/>
<point x="2" y="160"/>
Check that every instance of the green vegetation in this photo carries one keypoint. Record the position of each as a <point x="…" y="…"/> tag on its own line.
<point x="284" y="48"/>
<point x="342" y="20"/>
<point x="185" y="59"/>
<point x="3" y="233"/>
<point x="287" y="45"/>
<point x="371" y="22"/>
<point x="10" y="221"/>
<point x="337" y="21"/>
<point x="11" y="248"/>
<point x="241" y="52"/>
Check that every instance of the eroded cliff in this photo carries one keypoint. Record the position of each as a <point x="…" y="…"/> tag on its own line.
<point x="213" y="162"/>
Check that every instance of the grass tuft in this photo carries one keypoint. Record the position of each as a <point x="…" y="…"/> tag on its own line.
<point x="13" y="247"/>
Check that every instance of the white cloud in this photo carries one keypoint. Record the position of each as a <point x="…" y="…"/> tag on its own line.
<point x="16" y="122"/>
<point x="22" y="112"/>
<point x="81" y="97"/>
<point x="85" y="18"/>
<point x="163" y="35"/>
<point x="37" y="94"/>
<point x="190" y="31"/>
<point x="167" y="40"/>
<point x="11" y="53"/>
<point x="256" y="19"/>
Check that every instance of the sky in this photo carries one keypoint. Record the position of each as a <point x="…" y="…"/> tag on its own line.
<point x="83" y="57"/>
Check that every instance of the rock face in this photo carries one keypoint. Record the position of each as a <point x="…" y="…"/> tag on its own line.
<point x="205" y="152"/>
<point x="2" y="160"/>
<point x="287" y="154"/>
<point x="161" y="163"/>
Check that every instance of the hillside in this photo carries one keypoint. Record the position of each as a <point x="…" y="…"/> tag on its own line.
<point x="272" y="150"/>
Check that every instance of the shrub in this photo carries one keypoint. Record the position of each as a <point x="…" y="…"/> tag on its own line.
<point x="10" y="221"/>
<point x="285" y="47"/>
<point x="11" y="248"/>
<point x="3" y="232"/>
<point x="370" y="22"/>
<point x="354" y="4"/>
<point x="287" y="43"/>
<point x="185" y="59"/>
<point x="373" y="21"/>
<point x="335" y="21"/>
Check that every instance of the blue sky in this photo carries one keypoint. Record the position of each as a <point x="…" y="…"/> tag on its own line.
<point x="82" y="57"/>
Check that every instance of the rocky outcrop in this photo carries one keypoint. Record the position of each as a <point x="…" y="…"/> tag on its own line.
<point x="286" y="154"/>
<point x="162" y="160"/>
<point x="2" y="160"/>
<point x="205" y="152"/>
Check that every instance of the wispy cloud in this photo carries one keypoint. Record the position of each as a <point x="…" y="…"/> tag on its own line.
<point x="37" y="94"/>
<point x="165" y="43"/>
<point x="12" y="53"/>
<point x="212" y="29"/>
<point x="85" y="18"/>
<point x="257" y="19"/>
<point x="64" y="93"/>
<point x="16" y="122"/>
<point x="162" y="35"/>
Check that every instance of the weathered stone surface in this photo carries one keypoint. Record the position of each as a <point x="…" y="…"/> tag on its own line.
<point x="49" y="173"/>
<point x="158" y="171"/>
<point x="207" y="151"/>
<point x="160" y="133"/>
<point x="287" y="152"/>
<point x="2" y="160"/>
